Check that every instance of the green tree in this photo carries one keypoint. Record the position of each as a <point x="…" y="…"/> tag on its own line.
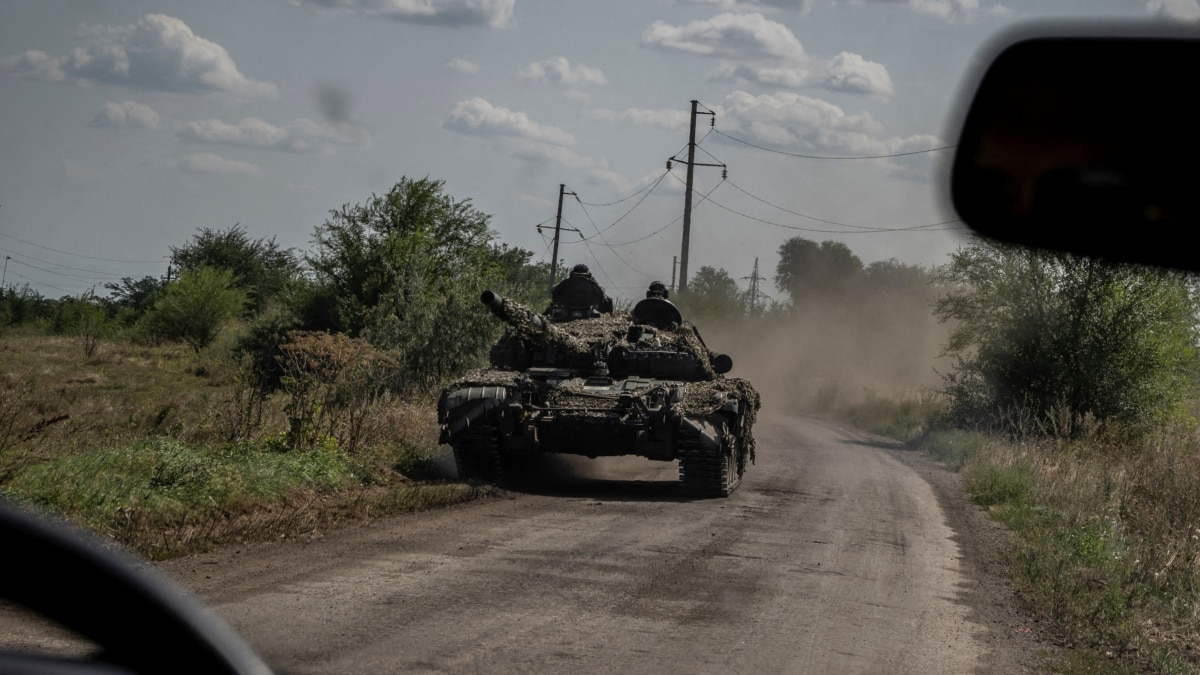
<point x="135" y="296"/>
<point x="259" y="266"/>
<point x="194" y="308"/>
<point x="1036" y="334"/>
<point x="712" y="296"/>
<point x="892" y="277"/>
<point x="23" y="305"/>
<point x="808" y="270"/>
<point x="404" y="270"/>
<point x="83" y="317"/>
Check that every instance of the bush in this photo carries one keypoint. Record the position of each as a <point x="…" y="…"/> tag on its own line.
<point x="194" y="308"/>
<point x="333" y="381"/>
<point x="1038" y="337"/>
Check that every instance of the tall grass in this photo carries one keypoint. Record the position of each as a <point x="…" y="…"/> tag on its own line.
<point x="155" y="446"/>
<point x="1106" y="527"/>
<point x="904" y="417"/>
<point x="1108" y="539"/>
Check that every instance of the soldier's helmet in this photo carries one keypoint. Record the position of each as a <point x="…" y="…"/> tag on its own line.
<point x="580" y="270"/>
<point x="657" y="290"/>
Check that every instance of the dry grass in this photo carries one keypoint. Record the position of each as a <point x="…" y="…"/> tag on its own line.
<point x="1106" y="530"/>
<point x="140" y="443"/>
<point x="1108" y="540"/>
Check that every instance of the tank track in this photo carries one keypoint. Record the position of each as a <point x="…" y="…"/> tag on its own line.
<point x="479" y="459"/>
<point x="709" y="472"/>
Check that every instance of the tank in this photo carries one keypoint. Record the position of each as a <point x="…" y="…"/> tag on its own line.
<point x="581" y="379"/>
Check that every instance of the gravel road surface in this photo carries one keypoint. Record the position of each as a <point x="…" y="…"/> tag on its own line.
<point x="835" y="555"/>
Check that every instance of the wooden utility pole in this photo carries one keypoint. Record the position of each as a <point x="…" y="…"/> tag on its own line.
<point x="687" y="192"/>
<point x="687" y="200"/>
<point x="562" y="190"/>
<point x="557" y="230"/>
<point x="674" y="264"/>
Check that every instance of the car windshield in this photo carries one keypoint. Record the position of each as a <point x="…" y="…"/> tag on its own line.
<point x="241" y="334"/>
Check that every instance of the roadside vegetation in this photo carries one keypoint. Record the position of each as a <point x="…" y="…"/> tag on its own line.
<point x="1068" y="404"/>
<point x="261" y="392"/>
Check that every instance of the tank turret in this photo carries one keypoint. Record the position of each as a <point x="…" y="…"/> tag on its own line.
<point x="534" y="340"/>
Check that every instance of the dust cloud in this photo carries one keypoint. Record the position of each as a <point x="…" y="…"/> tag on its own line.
<point x="837" y="351"/>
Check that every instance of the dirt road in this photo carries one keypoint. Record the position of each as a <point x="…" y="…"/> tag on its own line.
<point x="833" y="556"/>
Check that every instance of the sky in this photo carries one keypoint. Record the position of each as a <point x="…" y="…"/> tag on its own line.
<point x="127" y="126"/>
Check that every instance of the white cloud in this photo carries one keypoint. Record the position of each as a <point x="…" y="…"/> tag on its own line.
<point x="957" y="10"/>
<point x="34" y="65"/>
<point x="577" y="95"/>
<point x="847" y="72"/>
<point x="950" y="10"/>
<point x="303" y="135"/>
<point x="558" y="70"/>
<point x="727" y="35"/>
<point x="851" y="73"/>
<point x="664" y="118"/>
<point x="206" y="162"/>
<point x="596" y="169"/>
<point x="127" y="114"/>
<point x="800" y="5"/>
<point x="157" y="52"/>
<point x="766" y="52"/>
<point x="454" y="13"/>
<point x="463" y="66"/>
<point x="1177" y="10"/>
<point x="249" y="132"/>
<point x="477" y="117"/>
<point x="800" y="123"/>
<point x="771" y="75"/>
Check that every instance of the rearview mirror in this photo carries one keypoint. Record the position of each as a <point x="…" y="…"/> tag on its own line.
<point x="1086" y="141"/>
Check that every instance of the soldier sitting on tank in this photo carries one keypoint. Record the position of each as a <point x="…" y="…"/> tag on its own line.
<point x="578" y="296"/>
<point x="656" y="310"/>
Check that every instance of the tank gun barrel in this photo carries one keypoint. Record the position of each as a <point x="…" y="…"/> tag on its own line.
<point x="512" y="312"/>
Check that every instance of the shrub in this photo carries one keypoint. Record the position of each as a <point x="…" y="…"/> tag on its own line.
<point x="1038" y="336"/>
<point x="194" y="308"/>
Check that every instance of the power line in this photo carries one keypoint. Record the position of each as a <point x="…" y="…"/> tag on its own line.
<point x="68" y="267"/>
<point x="600" y="232"/>
<point x="593" y="254"/>
<point x="834" y="222"/>
<point x="703" y="198"/>
<point x="39" y="283"/>
<point x="810" y="229"/>
<point x="647" y="186"/>
<point x="602" y="239"/>
<point x="57" y="273"/>
<point x="80" y="255"/>
<point x="796" y="154"/>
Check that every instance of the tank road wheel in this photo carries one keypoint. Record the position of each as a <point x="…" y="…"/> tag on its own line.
<point x="706" y="471"/>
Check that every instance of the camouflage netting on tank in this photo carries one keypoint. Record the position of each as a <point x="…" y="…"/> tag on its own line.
<point x="573" y="395"/>
<point x="600" y="335"/>
<point x="485" y="377"/>
<point x="582" y="336"/>
<point x="704" y="398"/>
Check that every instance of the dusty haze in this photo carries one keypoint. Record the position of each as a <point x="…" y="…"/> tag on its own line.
<point x="887" y="345"/>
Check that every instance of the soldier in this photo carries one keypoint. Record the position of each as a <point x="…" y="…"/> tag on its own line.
<point x="657" y="290"/>
<point x="578" y="295"/>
